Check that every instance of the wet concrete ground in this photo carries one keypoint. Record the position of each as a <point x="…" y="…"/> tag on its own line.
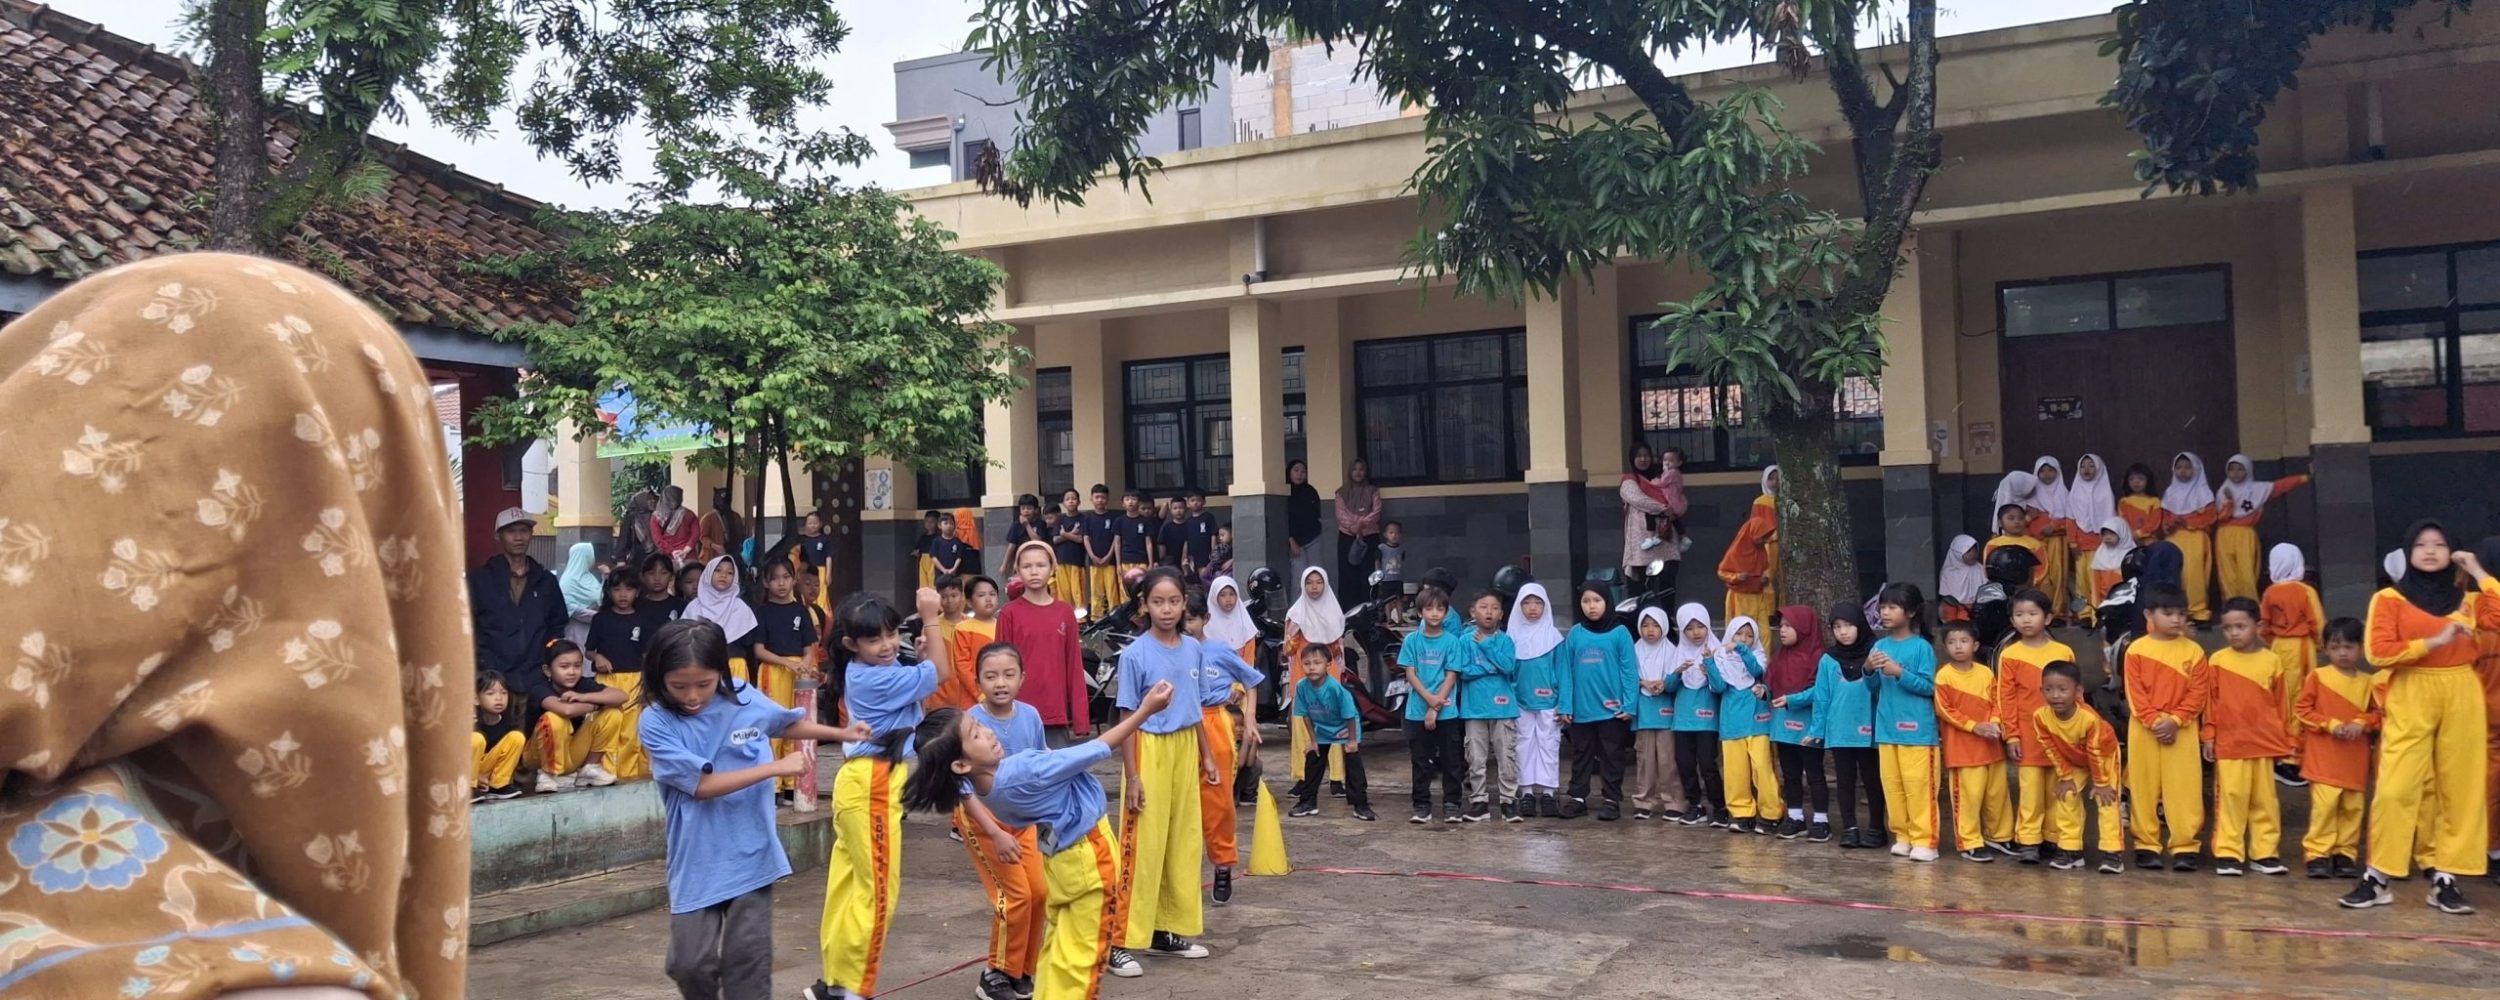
<point x="1674" y="912"/>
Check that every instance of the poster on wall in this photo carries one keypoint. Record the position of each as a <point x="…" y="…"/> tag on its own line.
<point x="1982" y="438"/>
<point x="880" y="489"/>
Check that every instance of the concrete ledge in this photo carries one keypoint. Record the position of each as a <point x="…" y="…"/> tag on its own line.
<point x="588" y="899"/>
<point x="538" y="839"/>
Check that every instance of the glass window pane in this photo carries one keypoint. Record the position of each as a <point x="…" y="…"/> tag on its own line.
<point x="1649" y="343"/>
<point x="1470" y="422"/>
<point x="1156" y="450"/>
<point x="1392" y="362"/>
<point x="2478" y="276"/>
<point x="2404" y="376"/>
<point x="1519" y="353"/>
<point x="1457" y="358"/>
<point x="1393" y="435"/>
<point x="2479" y="370"/>
<point x="1297" y="446"/>
<point x="1858" y="399"/>
<point x="2171" y="299"/>
<point x="1293" y="370"/>
<point x="1053" y="391"/>
<point x="1215" y="444"/>
<point x="1212" y="378"/>
<point x="1518" y="431"/>
<point x="1676" y="402"/>
<point x="2072" y="307"/>
<point x="1157" y="382"/>
<point x="2404" y="281"/>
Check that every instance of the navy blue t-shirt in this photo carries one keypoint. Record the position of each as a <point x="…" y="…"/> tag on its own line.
<point x="619" y="637"/>
<point x="1102" y="533"/>
<point x="785" y="629"/>
<point x="1137" y="535"/>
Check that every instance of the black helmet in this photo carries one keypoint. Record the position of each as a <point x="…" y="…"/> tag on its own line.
<point x="1263" y="580"/>
<point x="2012" y="565"/>
<point x="2131" y="565"/>
<point x="1441" y="578"/>
<point x="1508" y="579"/>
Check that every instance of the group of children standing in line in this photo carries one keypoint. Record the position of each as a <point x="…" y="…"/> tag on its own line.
<point x="1098" y="549"/>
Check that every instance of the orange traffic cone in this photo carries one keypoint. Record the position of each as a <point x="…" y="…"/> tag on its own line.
<point x="1267" y="838"/>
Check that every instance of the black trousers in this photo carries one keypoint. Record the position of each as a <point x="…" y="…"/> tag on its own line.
<point x="1597" y="750"/>
<point x="1315" y="774"/>
<point x="1697" y="763"/>
<point x="1439" y="752"/>
<point x="1801" y="778"/>
<point x="1858" y="770"/>
<point x="1353" y="580"/>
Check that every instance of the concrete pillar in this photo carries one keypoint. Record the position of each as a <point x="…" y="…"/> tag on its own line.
<point x="582" y="482"/>
<point x="1329" y="416"/>
<point x="1558" y="543"/>
<point x="1256" y="344"/>
<point x="2339" y="434"/>
<point x="1094" y="393"/>
<point x="1910" y="549"/>
<point x="1013" y="438"/>
<point x="886" y="561"/>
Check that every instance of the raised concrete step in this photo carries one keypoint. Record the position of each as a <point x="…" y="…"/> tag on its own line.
<point x="587" y="899"/>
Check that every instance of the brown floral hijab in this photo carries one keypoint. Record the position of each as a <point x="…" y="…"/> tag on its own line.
<point x="237" y="671"/>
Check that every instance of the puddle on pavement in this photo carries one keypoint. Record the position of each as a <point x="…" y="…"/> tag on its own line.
<point x="1869" y="948"/>
<point x="1860" y="948"/>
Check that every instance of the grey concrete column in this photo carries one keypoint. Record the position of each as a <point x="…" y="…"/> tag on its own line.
<point x="2347" y="518"/>
<point x="1911" y="552"/>
<point x="1558" y="534"/>
<point x="1259" y="537"/>
<point x="602" y="539"/>
<point x="995" y="522"/>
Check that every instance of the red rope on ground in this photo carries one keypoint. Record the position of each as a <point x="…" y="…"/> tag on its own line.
<point x="1939" y="911"/>
<point x="934" y="976"/>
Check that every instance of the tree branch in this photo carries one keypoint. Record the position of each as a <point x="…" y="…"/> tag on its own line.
<point x="1666" y="99"/>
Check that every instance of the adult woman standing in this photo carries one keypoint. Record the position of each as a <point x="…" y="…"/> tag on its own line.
<point x="674" y="529"/>
<point x="2421" y="630"/>
<point x="1653" y="504"/>
<point x="1301" y="514"/>
<point x="1751" y="567"/>
<point x="1358" y="531"/>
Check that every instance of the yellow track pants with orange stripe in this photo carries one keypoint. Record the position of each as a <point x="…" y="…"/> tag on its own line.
<point x="1165" y="842"/>
<point x="864" y="878"/>
<point x="1218" y="815"/>
<point x="1081" y="890"/>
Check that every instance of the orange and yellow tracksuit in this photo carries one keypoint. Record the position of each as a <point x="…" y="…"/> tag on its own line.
<point x="1755" y="552"/>
<point x="2338" y="770"/>
<point x="2487" y="664"/>
<point x="2293" y="620"/>
<point x="2057" y="553"/>
<point x="2433" y="735"/>
<point x="2083" y="749"/>
<point x="2166" y="680"/>
<point x="1016" y="890"/>
<point x="1966" y="698"/>
<point x="2236" y="556"/>
<point x="2193" y="534"/>
<point x="2143" y="514"/>
<point x="2249" y="731"/>
<point x="2017" y="699"/>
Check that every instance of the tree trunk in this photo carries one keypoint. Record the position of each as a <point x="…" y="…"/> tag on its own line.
<point x="790" y="516"/>
<point x="240" y="115"/>
<point x="1818" y="564"/>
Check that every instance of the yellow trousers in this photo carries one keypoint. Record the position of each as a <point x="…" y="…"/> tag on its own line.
<point x="492" y="767"/>
<point x="1102" y="588"/>
<point x="630" y="762"/>
<point x="2056" y="575"/>
<point x="2066" y="820"/>
<point x="1759" y="607"/>
<point x="1164" y="841"/>
<point x="1301" y="730"/>
<point x="1082" y="905"/>
<point x="560" y="746"/>
<point x="2196" y="576"/>
<point x="1016" y="889"/>
<point x="2165" y="782"/>
<point x="2235" y="561"/>
<point x="1981" y="812"/>
<point x="781" y="687"/>
<point x="2248" y="820"/>
<point x="2032" y="786"/>
<point x="928" y="570"/>
<point x="2433" y="736"/>
<point x="1067" y="583"/>
<point x="1910" y="792"/>
<point x="2334" y="822"/>
<point x="1753" y="787"/>
<point x="2299" y="656"/>
<point x="864" y="878"/>
<point x="1218" y="815"/>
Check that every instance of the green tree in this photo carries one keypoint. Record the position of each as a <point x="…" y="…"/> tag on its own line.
<point x="804" y="321"/>
<point x="2196" y="77"/>
<point x="700" y="76"/>
<point x="1527" y="185"/>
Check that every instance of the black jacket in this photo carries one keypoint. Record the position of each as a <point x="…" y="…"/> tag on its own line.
<point x="510" y="637"/>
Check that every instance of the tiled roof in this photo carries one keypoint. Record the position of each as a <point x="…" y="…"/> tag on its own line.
<point x="105" y="158"/>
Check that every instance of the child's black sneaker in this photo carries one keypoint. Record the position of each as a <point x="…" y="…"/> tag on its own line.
<point x="2183" y="862"/>
<point x="1169" y="945"/>
<point x="501" y="793"/>
<point x="1023" y="987"/>
<point x="2372" y="891"/>
<point x="1640" y="813"/>
<point x="1790" y="829"/>
<point x="1722" y="819"/>
<point x="1421" y="817"/>
<point x="2268" y="866"/>
<point x="1978" y="856"/>
<point x="2320" y="868"/>
<point x="1819" y="833"/>
<point x="1694" y="816"/>
<point x="1122" y="964"/>
<point x="2004" y="847"/>
<point x="2346" y="867"/>
<point x="1608" y="810"/>
<point x="1223" y="886"/>
<point x="1479" y="812"/>
<point x="1449" y="814"/>
<point x="1852" y="839"/>
<point x="2066" y="860"/>
<point x="2287" y="774"/>
<point x="2148" y="860"/>
<point x="1365" y="814"/>
<point x="995" y="985"/>
<point x="2225" y="866"/>
<point x="1304" y="809"/>
<point x="1509" y="814"/>
<point x="819" y="991"/>
<point x="1336" y="789"/>
<point x="2110" y="865"/>
<point x="1549" y="805"/>
<point x="1574" y="808"/>
<point x="2445" y="896"/>
<point x="2028" y="854"/>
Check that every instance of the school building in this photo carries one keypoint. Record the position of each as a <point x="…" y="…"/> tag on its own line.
<point x="2343" y="322"/>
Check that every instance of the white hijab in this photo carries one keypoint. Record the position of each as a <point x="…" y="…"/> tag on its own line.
<point x="1321" y="621"/>
<point x="2284" y="563"/>
<point x="2243" y="499"/>
<point x="2091" y="501"/>
<point x="2113" y="557"/>
<point x="1229" y="631"/>
<point x="1769" y="490"/>
<point x="721" y="605"/>
<point x="2053" y="499"/>
<point x="1532" y="639"/>
<point x="1731" y="664"/>
<point x="2017" y="488"/>
<point x="2394" y="565"/>
<point x="2187" y="496"/>
<point x="1957" y="579"/>
<point x="1690" y="654"/>
<point x="1656" y="658"/>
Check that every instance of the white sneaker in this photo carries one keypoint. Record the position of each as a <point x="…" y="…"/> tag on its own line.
<point x="548" y="784"/>
<point x="593" y="776"/>
<point x="1923" y="854"/>
<point x="1122" y="964"/>
<point x="1900" y="848"/>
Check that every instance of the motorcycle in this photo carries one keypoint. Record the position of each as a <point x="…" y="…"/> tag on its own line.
<point x="1368" y="636"/>
<point x="1656" y="590"/>
<point x="1100" y="641"/>
<point x="1268" y="613"/>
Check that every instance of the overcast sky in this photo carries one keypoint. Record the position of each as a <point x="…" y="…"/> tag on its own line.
<point x="883" y="32"/>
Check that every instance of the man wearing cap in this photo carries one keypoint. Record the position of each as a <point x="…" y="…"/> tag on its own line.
<point x="514" y="600"/>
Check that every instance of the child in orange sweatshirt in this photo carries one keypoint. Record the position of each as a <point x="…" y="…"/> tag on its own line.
<point x="2338" y="710"/>
<point x="2293" y="619"/>
<point x="2244" y="734"/>
<point x="1974" y="748"/>
<point x="2083" y="751"/>
<point x="2166" y="684"/>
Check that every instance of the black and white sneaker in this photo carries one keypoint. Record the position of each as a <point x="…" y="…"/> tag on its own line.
<point x="1304" y="809"/>
<point x="1790" y="829"/>
<point x="1122" y="964"/>
<point x="2321" y="868"/>
<point x="2004" y="847"/>
<point x="2227" y="866"/>
<point x="994" y="985"/>
<point x="1641" y="813"/>
<point x="1479" y="812"/>
<point x="1223" y="886"/>
<point x="1169" y="945"/>
<point x="2067" y="861"/>
<point x="2268" y="866"/>
<point x="2288" y="775"/>
<point x="2110" y="865"/>
<point x="1023" y="987"/>
<point x="1509" y="814"/>
<point x="2446" y="898"/>
<point x="1449" y="814"/>
<point x="2372" y="891"/>
<point x="1608" y="810"/>
<point x="2148" y="860"/>
<point x="1978" y="856"/>
<point x="2183" y="862"/>
<point x="1820" y="833"/>
<point x="1722" y="819"/>
<point x="2028" y="854"/>
<point x="1336" y="789"/>
<point x="2347" y="867"/>
<point x="1420" y="818"/>
<point x="819" y="991"/>
<point x="1365" y="814"/>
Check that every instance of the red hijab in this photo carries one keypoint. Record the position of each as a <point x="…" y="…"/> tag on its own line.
<point x="1793" y="667"/>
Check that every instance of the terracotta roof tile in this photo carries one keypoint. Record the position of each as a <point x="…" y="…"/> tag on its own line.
<point x="104" y="158"/>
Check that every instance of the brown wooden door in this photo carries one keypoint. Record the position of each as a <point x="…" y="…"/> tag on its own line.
<point x="838" y="496"/>
<point x="2143" y="395"/>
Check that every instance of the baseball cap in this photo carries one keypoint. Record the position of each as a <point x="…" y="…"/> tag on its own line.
<point x="512" y="516"/>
